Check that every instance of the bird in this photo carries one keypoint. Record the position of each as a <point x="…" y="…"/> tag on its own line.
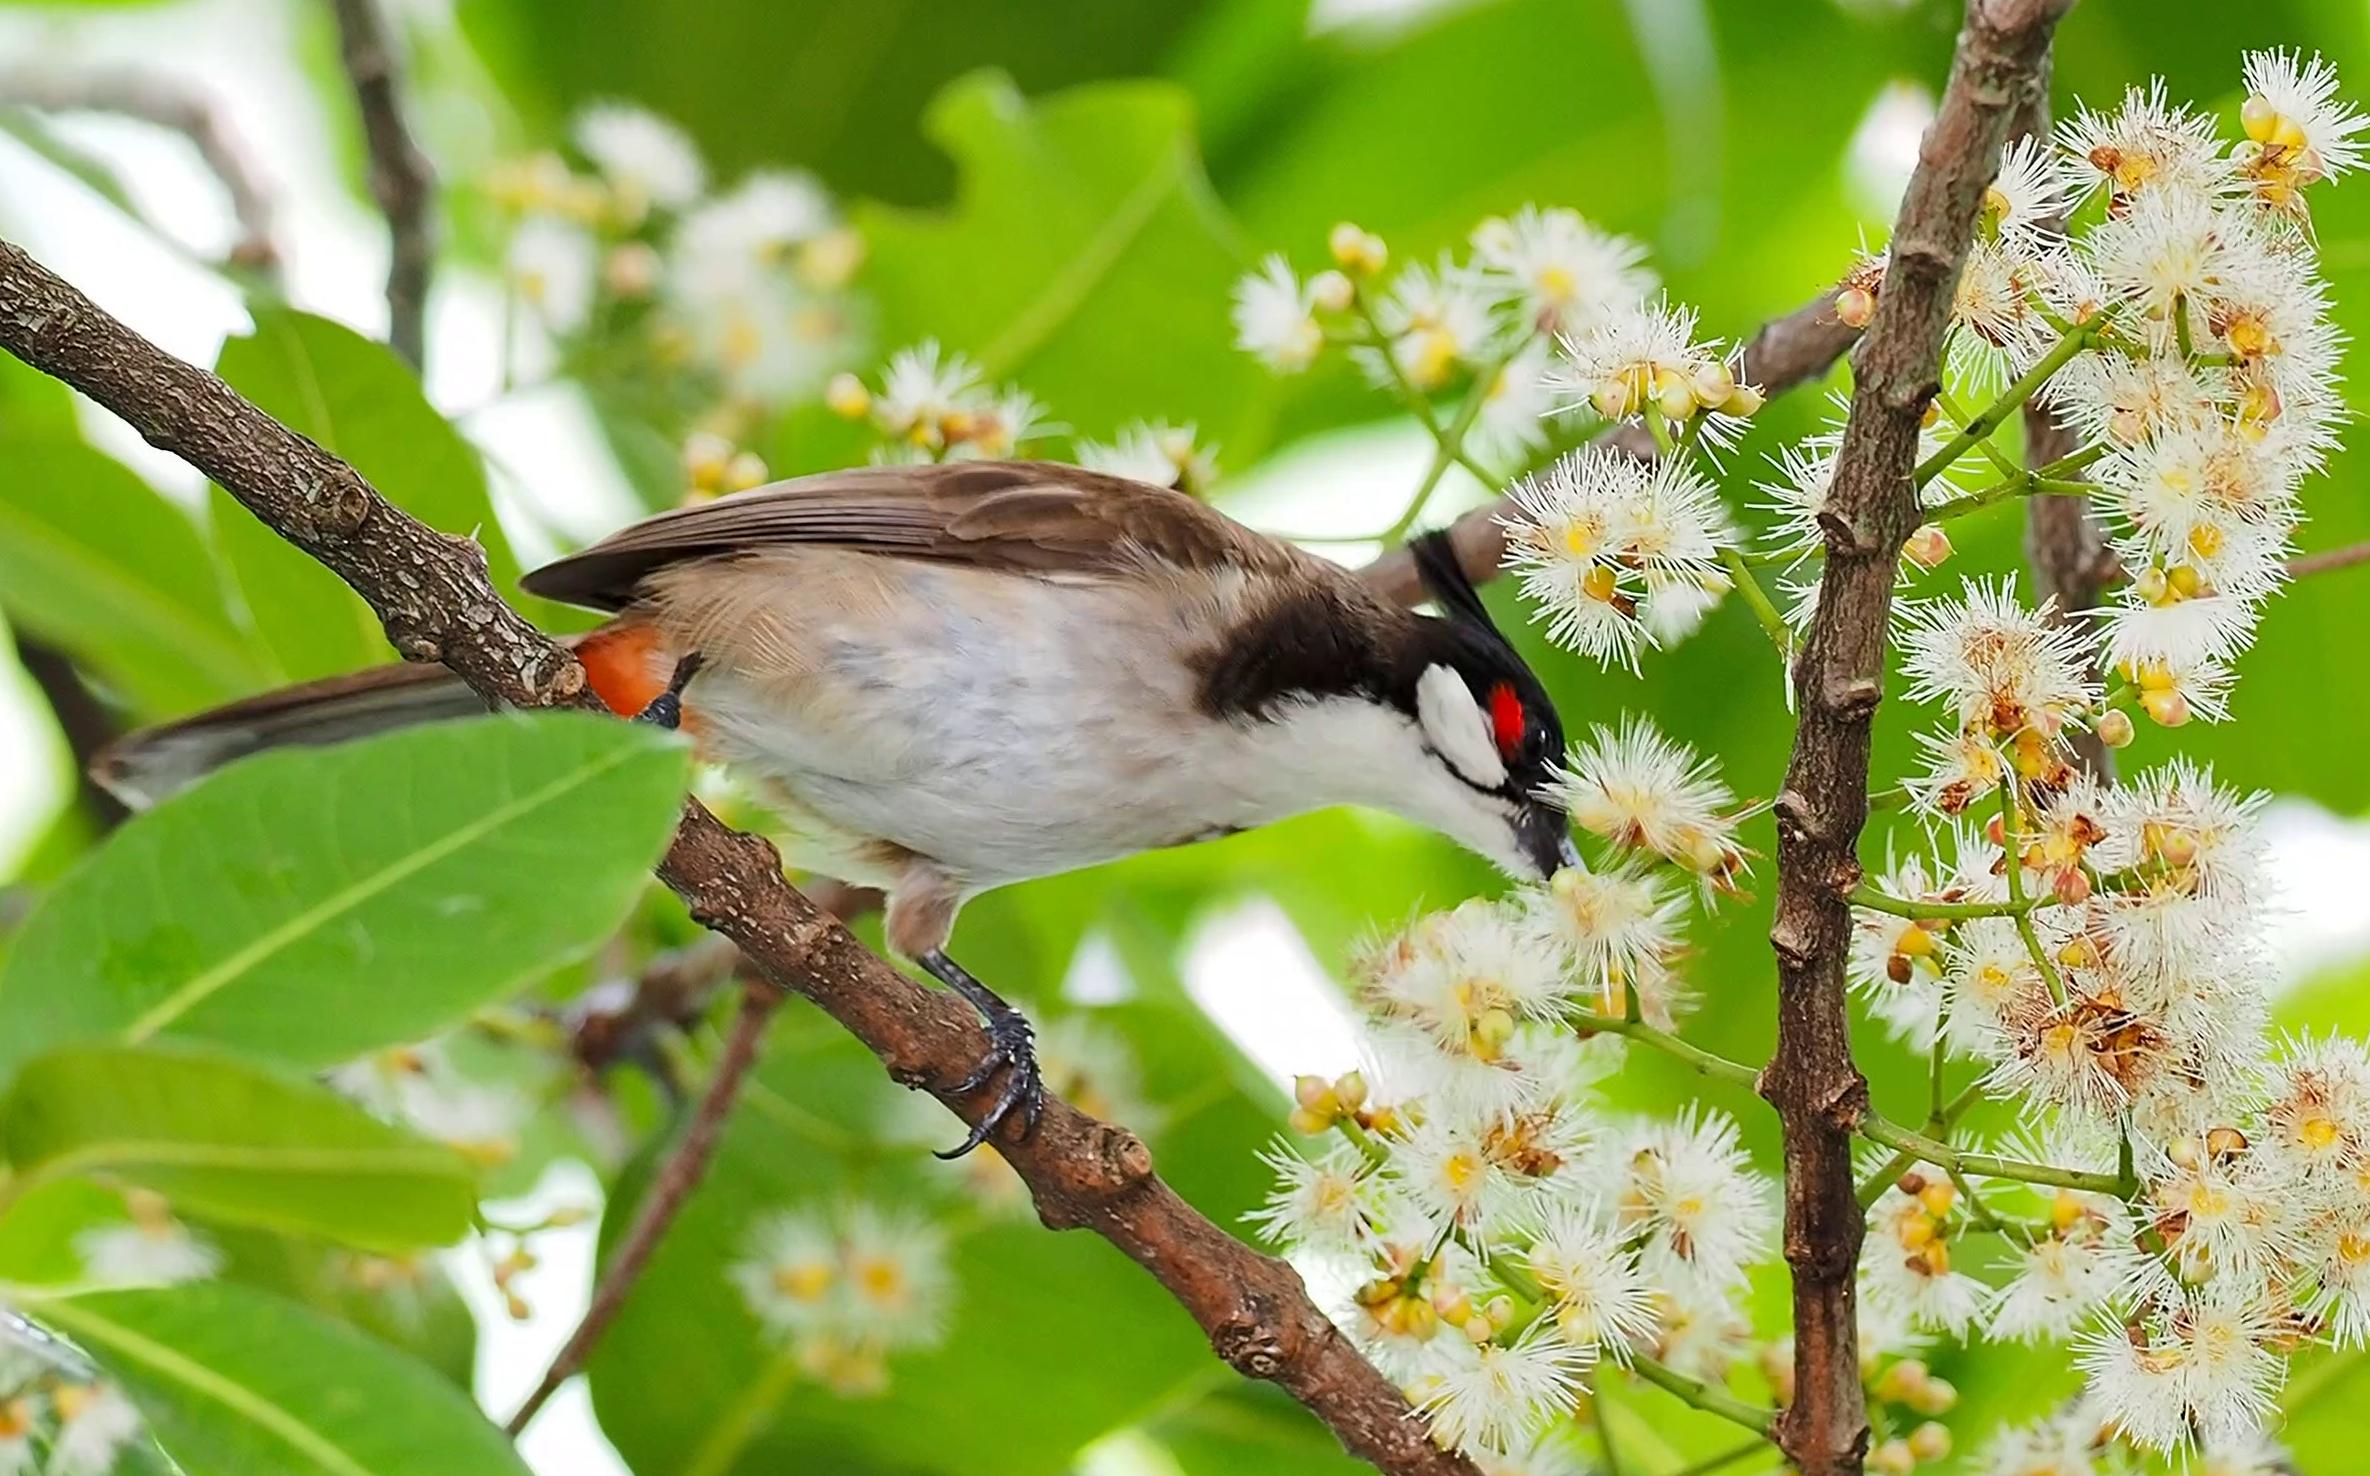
<point x="951" y="677"/>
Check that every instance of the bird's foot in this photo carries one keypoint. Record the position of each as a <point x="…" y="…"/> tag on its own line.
<point x="666" y="709"/>
<point x="1012" y="1049"/>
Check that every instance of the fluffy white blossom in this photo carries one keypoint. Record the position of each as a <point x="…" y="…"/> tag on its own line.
<point x="1567" y="274"/>
<point x="1275" y="318"/>
<point x="644" y="158"/>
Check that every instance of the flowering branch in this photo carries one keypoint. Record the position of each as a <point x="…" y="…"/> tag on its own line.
<point x="400" y="179"/>
<point x="1871" y="511"/>
<point x="432" y="595"/>
<point x="1984" y="1165"/>
<point x="1787" y="352"/>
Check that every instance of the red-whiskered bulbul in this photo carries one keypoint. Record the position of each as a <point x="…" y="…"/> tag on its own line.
<point x="950" y="677"/>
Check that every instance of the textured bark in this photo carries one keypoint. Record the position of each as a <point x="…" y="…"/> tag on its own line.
<point x="400" y="179"/>
<point x="1786" y="352"/>
<point x="1838" y="680"/>
<point x="432" y="594"/>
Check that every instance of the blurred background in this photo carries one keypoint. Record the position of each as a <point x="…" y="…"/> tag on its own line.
<point x="1065" y="191"/>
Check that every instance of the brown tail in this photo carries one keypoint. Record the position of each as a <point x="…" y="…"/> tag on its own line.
<point x="622" y="661"/>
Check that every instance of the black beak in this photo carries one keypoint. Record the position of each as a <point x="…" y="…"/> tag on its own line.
<point x="1546" y="838"/>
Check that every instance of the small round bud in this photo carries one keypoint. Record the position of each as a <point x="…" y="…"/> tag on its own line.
<point x="1713" y="382"/>
<point x="1854" y="306"/>
<point x="2225" y="1142"/>
<point x="1936" y="1397"/>
<point x="1928" y="547"/>
<point x="1350" y="1090"/>
<point x="2185" y="1153"/>
<point x="1902" y="1382"/>
<point x="706" y="459"/>
<point x="1330" y="291"/>
<point x="2258" y="117"/>
<point x="1612" y="400"/>
<point x="1893" y="1458"/>
<point x="1674" y="397"/>
<point x="1930" y="1441"/>
<point x="1308" y="1123"/>
<point x="632" y="270"/>
<point x="847" y="397"/>
<point x="1315" y="1093"/>
<point x="1357" y="251"/>
<point x="1939" y="1197"/>
<point x="1744" y="402"/>
<point x="2116" y="729"/>
<point x="745" y="470"/>
<point x="2167" y="709"/>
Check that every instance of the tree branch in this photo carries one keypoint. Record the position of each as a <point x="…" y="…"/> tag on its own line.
<point x="665" y="1197"/>
<point x="399" y="175"/>
<point x="432" y="594"/>
<point x="1786" y="352"/>
<point x="169" y="103"/>
<point x="1838" y="679"/>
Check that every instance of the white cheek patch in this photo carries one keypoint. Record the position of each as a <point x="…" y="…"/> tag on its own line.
<point x="1456" y="727"/>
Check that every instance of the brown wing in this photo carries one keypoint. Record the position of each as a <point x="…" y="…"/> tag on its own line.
<point x="1024" y="517"/>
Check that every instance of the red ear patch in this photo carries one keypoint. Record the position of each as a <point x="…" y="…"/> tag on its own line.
<point x="1506" y="719"/>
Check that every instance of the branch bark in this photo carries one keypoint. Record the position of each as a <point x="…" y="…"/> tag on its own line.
<point x="676" y="1178"/>
<point x="1786" y="352"/>
<point x="167" y="102"/>
<point x="1838" y="679"/>
<point x="400" y="179"/>
<point x="431" y="593"/>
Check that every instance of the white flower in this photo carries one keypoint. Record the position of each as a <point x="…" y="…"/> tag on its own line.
<point x="791" y="1277"/>
<point x="646" y="159"/>
<point x="2065" y="1445"/>
<point x="1596" y="1293"/>
<point x="1569" y="274"/>
<point x="1275" y="318"/>
<point x="1615" y="927"/>
<point x="2198" y="1362"/>
<point x="923" y="389"/>
<point x="1434" y="319"/>
<point x="897" y="1274"/>
<point x="2318" y="1117"/>
<point x="1648" y="356"/>
<point x="1905" y="1266"/>
<point x="1323" y="1203"/>
<point x="1157" y="453"/>
<point x="2123" y="400"/>
<point x="95" y="1423"/>
<point x="553" y="266"/>
<point x="1998" y="328"/>
<point x="1997" y="666"/>
<point x="2303" y="130"/>
<point x="1514" y="409"/>
<point x="1682" y="1190"/>
<point x="2056" y="1283"/>
<point x="866" y="1278"/>
<point x="2254" y="1454"/>
<point x="1640" y="789"/>
<point x="150" y="1250"/>
<point x="2149" y="146"/>
<point x="729" y="243"/>
<point x="2028" y="196"/>
<point x="2173" y="247"/>
<point x="1805" y="477"/>
<point x="1496" y="1396"/>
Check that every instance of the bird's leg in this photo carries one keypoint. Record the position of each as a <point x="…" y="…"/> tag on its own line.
<point x="666" y="709"/>
<point x="1010" y="1044"/>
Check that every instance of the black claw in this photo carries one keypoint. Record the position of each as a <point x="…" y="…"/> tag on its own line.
<point x="1011" y="1048"/>
<point x="666" y="709"/>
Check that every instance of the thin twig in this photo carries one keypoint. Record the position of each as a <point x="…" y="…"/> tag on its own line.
<point x="169" y="103"/>
<point x="431" y="593"/>
<point x="677" y="1177"/>
<point x="85" y="719"/>
<point x="2305" y="565"/>
<point x="1787" y="352"/>
<point x="399" y="176"/>
<point x="1872" y="509"/>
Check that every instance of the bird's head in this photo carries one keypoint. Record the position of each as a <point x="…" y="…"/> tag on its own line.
<point x="1486" y="721"/>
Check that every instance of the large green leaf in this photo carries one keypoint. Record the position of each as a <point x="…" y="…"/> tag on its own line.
<point x="95" y="562"/>
<point x="1085" y="257"/>
<point x="234" y="1142"/>
<point x="238" y="1382"/>
<point x="363" y="404"/>
<point x="406" y="1302"/>
<point x="311" y="904"/>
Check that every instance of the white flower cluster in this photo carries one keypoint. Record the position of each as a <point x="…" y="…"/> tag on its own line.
<point x="1490" y="320"/>
<point x="1503" y="1229"/>
<point x="845" y="1290"/>
<point x="55" y="1419"/>
<point x="742" y="291"/>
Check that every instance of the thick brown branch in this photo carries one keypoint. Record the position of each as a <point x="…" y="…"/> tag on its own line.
<point x="1838" y="679"/>
<point x="399" y="176"/>
<point x="676" y="1178"/>
<point x="433" y="596"/>
<point x="1786" y="352"/>
<point x="169" y="103"/>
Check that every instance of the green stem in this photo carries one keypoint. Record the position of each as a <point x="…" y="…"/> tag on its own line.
<point x="2011" y="844"/>
<point x="1449" y="449"/>
<point x="1703" y="1396"/>
<point x="1719" y="1068"/>
<point x="1757" y="600"/>
<point x="1876" y="901"/>
<point x="1376" y="1154"/>
<point x="1993" y="415"/>
<point x="1416" y="399"/>
<point x="1990" y="1166"/>
<point x="1991" y="453"/>
<point x="1873" y="1187"/>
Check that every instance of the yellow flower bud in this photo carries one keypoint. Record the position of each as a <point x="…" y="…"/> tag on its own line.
<point x="1744" y="402"/>
<point x="1939" y="1197"/>
<point x="745" y="470"/>
<point x="1935" y="1397"/>
<point x="1930" y="1441"/>
<point x="1903" y="1382"/>
<point x="2116" y="730"/>
<point x="1854" y="306"/>
<point x="1332" y="292"/>
<point x="1315" y="1093"/>
<point x="1893" y="1458"/>
<point x="1612" y="400"/>
<point x="2258" y="117"/>
<point x="1928" y="547"/>
<point x="1309" y="1123"/>
<point x="847" y="397"/>
<point x="1357" y="251"/>
<point x="2168" y="709"/>
<point x="1350" y="1089"/>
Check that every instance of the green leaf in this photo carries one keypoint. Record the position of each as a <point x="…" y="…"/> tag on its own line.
<point x="406" y="1302"/>
<point x="363" y="404"/>
<point x="1086" y="258"/>
<point x="311" y="904"/>
<point x="238" y="1381"/>
<point x="234" y="1142"/>
<point x="96" y="562"/>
